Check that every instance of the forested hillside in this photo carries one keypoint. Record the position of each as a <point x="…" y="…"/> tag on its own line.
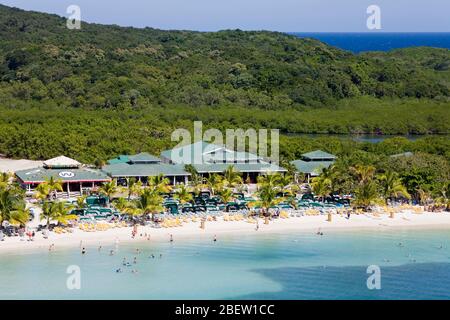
<point x="135" y="85"/>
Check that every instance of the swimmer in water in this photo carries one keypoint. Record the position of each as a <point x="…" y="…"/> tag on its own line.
<point x="111" y="253"/>
<point x="83" y="251"/>
<point x="135" y="260"/>
<point x="160" y="255"/>
<point x="124" y="262"/>
<point x="99" y="248"/>
<point x="171" y="238"/>
<point x="215" y="238"/>
<point x="119" y="270"/>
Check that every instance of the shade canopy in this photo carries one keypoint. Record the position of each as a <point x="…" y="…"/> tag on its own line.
<point x="61" y="162"/>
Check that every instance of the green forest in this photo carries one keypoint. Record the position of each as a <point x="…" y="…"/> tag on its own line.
<point x="105" y="90"/>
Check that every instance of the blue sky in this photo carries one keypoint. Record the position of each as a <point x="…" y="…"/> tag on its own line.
<point x="277" y="15"/>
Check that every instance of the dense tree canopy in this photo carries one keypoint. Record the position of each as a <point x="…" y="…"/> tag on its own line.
<point x="101" y="91"/>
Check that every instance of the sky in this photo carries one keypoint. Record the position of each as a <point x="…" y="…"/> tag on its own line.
<point x="275" y="15"/>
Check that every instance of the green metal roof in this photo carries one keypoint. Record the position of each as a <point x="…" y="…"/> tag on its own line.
<point x="208" y="153"/>
<point x="144" y="170"/>
<point x="311" y="167"/>
<point x="120" y="159"/>
<point x="241" y="167"/>
<point x="38" y="175"/>
<point x="143" y="157"/>
<point x="319" y="155"/>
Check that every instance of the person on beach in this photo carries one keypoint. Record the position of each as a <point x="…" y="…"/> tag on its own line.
<point x="348" y="215"/>
<point x="215" y="238"/>
<point x="171" y="238"/>
<point x="99" y="248"/>
<point x="257" y="226"/>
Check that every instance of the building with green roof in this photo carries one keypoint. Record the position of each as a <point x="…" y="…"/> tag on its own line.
<point x="208" y="158"/>
<point x="312" y="163"/>
<point x="141" y="166"/>
<point x="75" y="177"/>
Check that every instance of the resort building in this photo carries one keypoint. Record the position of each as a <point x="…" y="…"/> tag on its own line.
<point x="208" y="158"/>
<point x="76" y="178"/>
<point x="141" y="166"/>
<point x="312" y="163"/>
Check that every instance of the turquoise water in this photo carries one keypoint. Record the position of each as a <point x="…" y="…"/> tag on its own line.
<point x="276" y="266"/>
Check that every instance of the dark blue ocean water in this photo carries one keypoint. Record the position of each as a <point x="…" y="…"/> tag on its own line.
<point x="383" y="41"/>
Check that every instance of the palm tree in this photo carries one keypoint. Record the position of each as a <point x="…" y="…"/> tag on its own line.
<point x="149" y="202"/>
<point x="121" y="204"/>
<point x="424" y="196"/>
<point x="108" y="189"/>
<point x="12" y="205"/>
<point x="363" y="173"/>
<point x="270" y="179"/>
<point x="161" y="183"/>
<point x="226" y="195"/>
<point x="20" y="214"/>
<point x="81" y="202"/>
<point x="392" y="186"/>
<point x="321" y="186"/>
<point x="5" y="179"/>
<point x="197" y="181"/>
<point x="45" y="189"/>
<point x="183" y="194"/>
<point x="214" y="183"/>
<point x="366" y="194"/>
<point x="287" y="185"/>
<point x="267" y="195"/>
<point x="231" y="177"/>
<point x="56" y="210"/>
<point x="134" y="187"/>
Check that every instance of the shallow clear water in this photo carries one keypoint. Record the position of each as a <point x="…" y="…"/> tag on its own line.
<point x="277" y="266"/>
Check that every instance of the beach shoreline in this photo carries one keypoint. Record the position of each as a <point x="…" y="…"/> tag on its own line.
<point x="192" y="231"/>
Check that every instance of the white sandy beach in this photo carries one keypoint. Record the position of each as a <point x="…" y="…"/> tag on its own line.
<point x="192" y="230"/>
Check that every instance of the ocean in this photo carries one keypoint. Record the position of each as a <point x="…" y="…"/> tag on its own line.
<point x="379" y="41"/>
<point x="298" y="265"/>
